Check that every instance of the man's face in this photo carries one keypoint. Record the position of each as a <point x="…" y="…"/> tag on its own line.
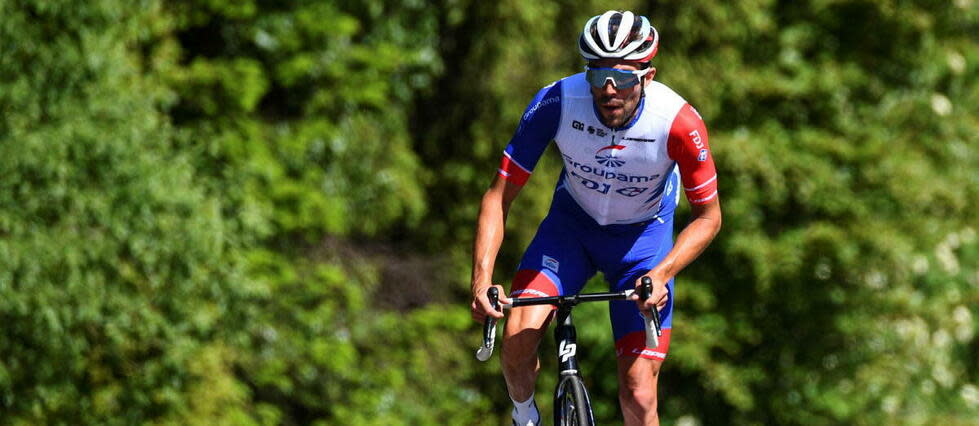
<point x="617" y="106"/>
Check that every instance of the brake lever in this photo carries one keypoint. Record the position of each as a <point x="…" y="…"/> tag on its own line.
<point x="489" y="327"/>
<point x="653" y="327"/>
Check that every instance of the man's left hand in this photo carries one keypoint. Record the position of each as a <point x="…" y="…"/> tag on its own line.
<point x="658" y="298"/>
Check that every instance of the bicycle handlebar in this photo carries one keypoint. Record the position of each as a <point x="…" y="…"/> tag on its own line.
<point x="652" y="322"/>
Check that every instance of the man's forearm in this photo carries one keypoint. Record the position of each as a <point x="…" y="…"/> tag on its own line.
<point x="489" y="237"/>
<point x="691" y="242"/>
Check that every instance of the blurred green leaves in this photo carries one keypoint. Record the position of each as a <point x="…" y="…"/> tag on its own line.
<point x="117" y="268"/>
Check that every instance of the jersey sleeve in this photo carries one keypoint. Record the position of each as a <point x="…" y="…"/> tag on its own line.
<point x="687" y="145"/>
<point x="537" y="128"/>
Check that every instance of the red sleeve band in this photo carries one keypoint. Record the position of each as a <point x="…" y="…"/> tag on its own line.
<point x="512" y="171"/>
<point x="688" y="146"/>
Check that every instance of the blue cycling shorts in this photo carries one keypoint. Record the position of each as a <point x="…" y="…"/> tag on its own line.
<point x="570" y="247"/>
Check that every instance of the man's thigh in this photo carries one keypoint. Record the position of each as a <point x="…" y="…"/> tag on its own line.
<point x="647" y="249"/>
<point x="555" y="263"/>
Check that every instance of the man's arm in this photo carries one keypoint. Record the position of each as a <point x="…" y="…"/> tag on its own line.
<point x="688" y="146"/>
<point x="693" y="239"/>
<point x="489" y="236"/>
<point x="537" y="127"/>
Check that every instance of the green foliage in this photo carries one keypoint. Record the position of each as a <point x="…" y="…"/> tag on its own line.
<point x="321" y="345"/>
<point x="307" y="116"/>
<point x="116" y="272"/>
<point x="831" y="200"/>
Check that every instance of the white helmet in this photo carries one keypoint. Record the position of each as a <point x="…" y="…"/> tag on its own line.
<point x="618" y="35"/>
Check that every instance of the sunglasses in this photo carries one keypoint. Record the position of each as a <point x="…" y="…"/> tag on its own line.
<point x="621" y="79"/>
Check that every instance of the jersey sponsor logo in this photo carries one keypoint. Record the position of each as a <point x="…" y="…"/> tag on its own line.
<point x="606" y="174"/>
<point x="567" y="350"/>
<point x="592" y="185"/>
<point x="603" y="188"/>
<point x="530" y="113"/>
<point x="592" y="130"/>
<point x="702" y="156"/>
<point x="640" y="140"/>
<point x="606" y="156"/>
<point x="598" y="131"/>
<point x="550" y="263"/>
<point x="534" y="292"/>
<point x="697" y="140"/>
<point x="649" y="352"/>
<point x="631" y="191"/>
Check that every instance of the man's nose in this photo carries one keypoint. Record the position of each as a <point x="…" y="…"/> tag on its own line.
<point x="609" y="88"/>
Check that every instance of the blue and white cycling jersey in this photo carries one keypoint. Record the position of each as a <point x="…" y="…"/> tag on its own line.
<point x="616" y="175"/>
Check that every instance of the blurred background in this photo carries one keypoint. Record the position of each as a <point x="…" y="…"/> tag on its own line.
<point x="261" y="212"/>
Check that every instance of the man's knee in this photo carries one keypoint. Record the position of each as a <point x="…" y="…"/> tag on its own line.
<point x="639" y="397"/>
<point x="638" y="380"/>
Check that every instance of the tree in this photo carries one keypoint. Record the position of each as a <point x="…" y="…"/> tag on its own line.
<point x="117" y="273"/>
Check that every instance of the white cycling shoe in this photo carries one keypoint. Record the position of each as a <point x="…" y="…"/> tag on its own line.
<point x="529" y="417"/>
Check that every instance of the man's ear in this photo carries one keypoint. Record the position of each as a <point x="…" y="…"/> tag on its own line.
<point x="649" y="76"/>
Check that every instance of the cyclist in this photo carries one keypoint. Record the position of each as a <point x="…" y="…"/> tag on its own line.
<point x="628" y="143"/>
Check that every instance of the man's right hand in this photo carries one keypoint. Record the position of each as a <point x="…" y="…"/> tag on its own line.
<point x="481" y="306"/>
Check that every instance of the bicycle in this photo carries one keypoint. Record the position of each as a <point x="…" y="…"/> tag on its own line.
<point x="571" y="403"/>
